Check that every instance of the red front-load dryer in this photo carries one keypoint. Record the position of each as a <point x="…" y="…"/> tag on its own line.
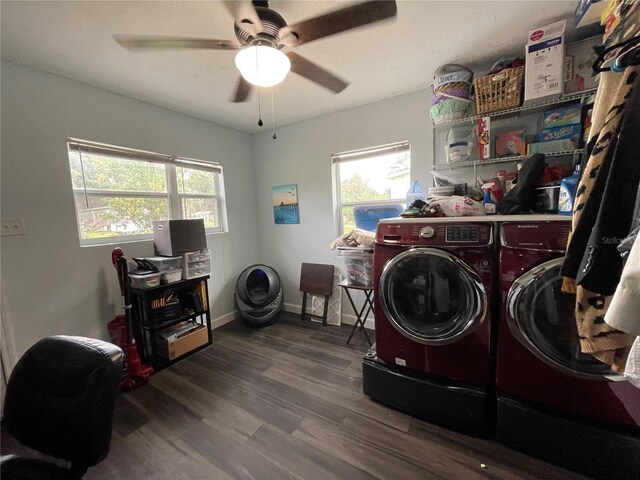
<point x="555" y="402"/>
<point x="432" y="302"/>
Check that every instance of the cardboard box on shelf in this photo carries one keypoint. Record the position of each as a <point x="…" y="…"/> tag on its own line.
<point x="579" y="59"/>
<point x="510" y="144"/>
<point x="567" y="132"/>
<point x="175" y="341"/>
<point x="484" y="137"/>
<point x="550" y="147"/>
<point x="588" y="12"/>
<point x="559" y="117"/>
<point x="544" y="63"/>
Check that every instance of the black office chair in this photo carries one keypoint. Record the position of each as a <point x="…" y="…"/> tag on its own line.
<point x="60" y="401"/>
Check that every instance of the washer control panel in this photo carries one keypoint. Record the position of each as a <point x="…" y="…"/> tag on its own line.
<point x="462" y="233"/>
<point x="436" y="233"/>
<point x="427" y="232"/>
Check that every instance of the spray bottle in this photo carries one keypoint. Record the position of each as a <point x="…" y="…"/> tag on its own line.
<point x="490" y="206"/>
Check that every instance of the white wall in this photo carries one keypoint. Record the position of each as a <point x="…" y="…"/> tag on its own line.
<point x="302" y="155"/>
<point x="50" y="284"/>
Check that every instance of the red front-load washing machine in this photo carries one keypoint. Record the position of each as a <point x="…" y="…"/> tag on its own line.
<point x="555" y="402"/>
<point x="432" y="301"/>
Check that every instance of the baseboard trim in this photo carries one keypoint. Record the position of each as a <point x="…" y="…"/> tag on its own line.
<point x="347" y="319"/>
<point x="224" y="319"/>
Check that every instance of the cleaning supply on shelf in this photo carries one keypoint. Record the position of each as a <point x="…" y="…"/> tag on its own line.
<point x="567" y="194"/>
<point x="459" y="144"/>
<point x="414" y="193"/>
<point x="490" y="206"/>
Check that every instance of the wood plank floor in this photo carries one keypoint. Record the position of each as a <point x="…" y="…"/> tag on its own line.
<point x="286" y="402"/>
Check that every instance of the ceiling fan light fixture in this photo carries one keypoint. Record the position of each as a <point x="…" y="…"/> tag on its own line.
<point x="263" y="65"/>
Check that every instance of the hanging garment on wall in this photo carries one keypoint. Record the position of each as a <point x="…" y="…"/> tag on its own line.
<point x="624" y="310"/>
<point x="632" y="369"/>
<point x="602" y="214"/>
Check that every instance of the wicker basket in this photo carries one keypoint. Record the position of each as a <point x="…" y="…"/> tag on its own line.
<point x="499" y="91"/>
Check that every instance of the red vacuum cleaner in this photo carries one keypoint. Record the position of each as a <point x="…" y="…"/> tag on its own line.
<point x="121" y="330"/>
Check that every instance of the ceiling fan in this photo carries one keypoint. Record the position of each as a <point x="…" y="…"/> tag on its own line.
<point x="262" y="34"/>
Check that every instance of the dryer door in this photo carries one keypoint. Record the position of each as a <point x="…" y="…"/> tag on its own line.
<point x="431" y="296"/>
<point x="541" y="317"/>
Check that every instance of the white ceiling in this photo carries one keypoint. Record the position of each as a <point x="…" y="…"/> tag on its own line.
<point x="74" y="40"/>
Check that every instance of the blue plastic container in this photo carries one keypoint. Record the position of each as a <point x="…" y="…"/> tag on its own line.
<point x="367" y="217"/>
<point x="567" y="195"/>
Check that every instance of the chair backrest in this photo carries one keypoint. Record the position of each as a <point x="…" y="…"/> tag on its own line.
<point x="60" y="398"/>
<point x="316" y="278"/>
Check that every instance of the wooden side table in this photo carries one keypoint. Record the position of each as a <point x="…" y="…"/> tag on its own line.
<point x="361" y="313"/>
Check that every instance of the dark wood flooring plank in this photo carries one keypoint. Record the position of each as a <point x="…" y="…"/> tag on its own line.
<point x="128" y="417"/>
<point x="266" y="408"/>
<point x="491" y="454"/>
<point x="212" y="408"/>
<point x="348" y="401"/>
<point x="235" y="458"/>
<point x="168" y="414"/>
<point x="299" y="342"/>
<point x="286" y="402"/>
<point x="426" y="454"/>
<point x="301" y="458"/>
<point x="336" y="441"/>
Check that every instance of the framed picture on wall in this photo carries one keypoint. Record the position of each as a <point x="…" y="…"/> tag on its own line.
<point x="285" y="204"/>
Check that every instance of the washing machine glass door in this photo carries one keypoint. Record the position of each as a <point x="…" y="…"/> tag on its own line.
<point x="542" y="318"/>
<point x="431" y="296"/>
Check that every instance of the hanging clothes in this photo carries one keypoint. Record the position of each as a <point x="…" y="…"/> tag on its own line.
<point x="603" y="214"/>
<point x="632" y="369"/>
<point x="624" y="310"/>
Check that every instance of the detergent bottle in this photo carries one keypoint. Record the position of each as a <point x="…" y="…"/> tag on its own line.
<point x="490" y="206"/>
<point x="567" y="195"/>
<point x="415" y="193"/>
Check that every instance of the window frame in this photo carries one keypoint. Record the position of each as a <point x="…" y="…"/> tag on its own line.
<point x="362" y="154"/>
<point x="173" y="196"/>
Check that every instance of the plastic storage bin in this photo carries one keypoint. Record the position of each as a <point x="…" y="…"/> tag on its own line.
<point x="144" y="281"/>
<point x="170" y="276"/>
<point x="367" y="217"/>
<point x="196" y="264"/>
<point x="165" y="263"/>
<point x="358" y="262"/>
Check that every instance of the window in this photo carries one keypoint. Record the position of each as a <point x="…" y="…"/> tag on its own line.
<point x="371" y="184"/>
<point x="118" y="192"/>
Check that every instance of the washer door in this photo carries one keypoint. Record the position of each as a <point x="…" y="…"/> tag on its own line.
<point x="542" y="318"/>
<point x="431" y="296"/>
<point x="258" y="286"/>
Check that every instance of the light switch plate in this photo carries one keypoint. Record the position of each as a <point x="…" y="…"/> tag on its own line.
<point x="12" y="227"/>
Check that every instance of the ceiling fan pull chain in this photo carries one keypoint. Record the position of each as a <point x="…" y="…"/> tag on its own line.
<point x="260" y="123"/>
<point x="273" y="114"/>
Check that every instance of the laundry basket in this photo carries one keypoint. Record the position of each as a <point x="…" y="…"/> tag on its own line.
<point x="451" y="92"/>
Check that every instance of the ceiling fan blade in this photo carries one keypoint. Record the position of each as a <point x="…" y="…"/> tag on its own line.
<point x="242" y="91"/>
<point x="148" y="42"/>
<point x="245" y="15"/>
<point x="316" y="73"/>
<point x="340" y="20"/>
